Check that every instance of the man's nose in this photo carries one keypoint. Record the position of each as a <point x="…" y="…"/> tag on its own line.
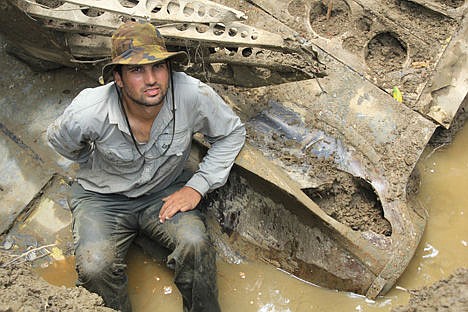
<point x="150" y="77"/>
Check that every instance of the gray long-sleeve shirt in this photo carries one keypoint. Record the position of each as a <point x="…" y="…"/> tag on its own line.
<point x="93" y="131"/>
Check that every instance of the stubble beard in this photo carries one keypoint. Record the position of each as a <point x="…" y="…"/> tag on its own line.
<point x="140" y="100"/>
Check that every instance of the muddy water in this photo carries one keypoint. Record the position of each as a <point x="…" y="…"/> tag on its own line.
<point x="259" y="287"/>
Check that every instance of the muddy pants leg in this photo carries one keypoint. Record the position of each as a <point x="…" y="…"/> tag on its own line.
<point x="103" y="231"/>
<point x="193" y="257"/>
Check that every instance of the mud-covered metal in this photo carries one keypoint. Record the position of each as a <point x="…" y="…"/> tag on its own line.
<point x="360" y="130"/>
<point x="424" y="48"/>
<point x="311" y="133"/>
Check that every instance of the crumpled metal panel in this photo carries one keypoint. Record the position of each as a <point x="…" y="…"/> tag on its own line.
<point x="448" y="86"/>
<point x="229" y="32"/>
<point x="367" y="134"/>
<point x="189" y="11"/>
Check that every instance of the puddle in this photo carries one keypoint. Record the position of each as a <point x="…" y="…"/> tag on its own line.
<point x="260" y="287"/>
<point x="60" y="272"/>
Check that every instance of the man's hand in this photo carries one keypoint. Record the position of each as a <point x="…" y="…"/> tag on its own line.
<point x="184" y="199"/>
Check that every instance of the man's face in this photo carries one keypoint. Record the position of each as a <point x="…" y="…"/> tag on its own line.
<point x="143" y="84"/>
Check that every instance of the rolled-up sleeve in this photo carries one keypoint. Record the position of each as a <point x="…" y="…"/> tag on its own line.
<point x="225" y="132"/>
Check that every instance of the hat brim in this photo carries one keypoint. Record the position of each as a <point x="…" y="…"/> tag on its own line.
<point x="140" y="57"/>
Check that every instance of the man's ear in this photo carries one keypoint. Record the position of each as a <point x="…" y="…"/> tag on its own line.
<point x="118" y="78"/>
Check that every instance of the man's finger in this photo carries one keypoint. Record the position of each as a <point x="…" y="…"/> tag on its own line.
<point x="162" y="212"/>
<point x="168" y="214"/>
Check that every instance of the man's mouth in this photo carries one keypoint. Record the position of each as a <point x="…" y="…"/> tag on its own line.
<point x="151" y="92"/>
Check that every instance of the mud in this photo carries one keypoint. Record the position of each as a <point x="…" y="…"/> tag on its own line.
<point x="330" y="18"/>
<point x="345" y="198"/>
<point x="399" y="41"/>
<point x="23" y="291"/>
<point x="445" y="295"/>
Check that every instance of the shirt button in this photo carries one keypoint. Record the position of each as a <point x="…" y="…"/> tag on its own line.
<point x="164" y="146"/>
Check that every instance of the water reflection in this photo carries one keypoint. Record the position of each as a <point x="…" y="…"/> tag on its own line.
<point x="262" y="288"/>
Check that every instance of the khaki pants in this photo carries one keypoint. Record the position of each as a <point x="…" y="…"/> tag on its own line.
<point x="105" y="225"/>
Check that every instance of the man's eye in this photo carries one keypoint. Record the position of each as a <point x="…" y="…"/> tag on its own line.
<point x="135" y="69"/>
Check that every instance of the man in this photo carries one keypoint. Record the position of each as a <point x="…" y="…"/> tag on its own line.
<point x="132" y="138"/>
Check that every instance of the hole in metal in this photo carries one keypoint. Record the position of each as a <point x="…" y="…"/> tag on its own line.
<point x="128" y="4"/>
<point x="385" y="52"/>
<point x="53" y="4"/>
<point x="232" y="32"/>
<point x="247" y="52"/>
<point x="173" y="7"/>
<point x="201" y="11"/>
<point x="219" y="29"/>
<point x="202" y="28"/>
<point x="182" y="27"/>
<point x="92" y="12"/>
<point x="188" y="9"/>
<point x="213" y="12"/>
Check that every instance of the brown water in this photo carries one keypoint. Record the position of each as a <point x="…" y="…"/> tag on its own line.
<point x="262" y="288"/>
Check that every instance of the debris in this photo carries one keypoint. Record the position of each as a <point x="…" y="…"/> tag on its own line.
<point x="397" y="94"/>
<point x="417" y="65"/>
<point x="329" y="9"/>
<point x="30" y="255"/>
<point x="7" y="244"/>
<point x="57" y="254"/>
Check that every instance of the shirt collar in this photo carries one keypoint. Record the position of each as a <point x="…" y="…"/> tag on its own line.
<point x="115" y="110"/>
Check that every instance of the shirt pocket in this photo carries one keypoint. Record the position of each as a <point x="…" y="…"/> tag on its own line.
<point x="174" y="145"/>
<point x="116" y="153"/>
<point x="117" y="159"/>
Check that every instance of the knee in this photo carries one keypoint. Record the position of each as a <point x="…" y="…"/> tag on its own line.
<point x="95" y="261"/>
<point x="195" y="242"/>
<point x="195" y="248"/>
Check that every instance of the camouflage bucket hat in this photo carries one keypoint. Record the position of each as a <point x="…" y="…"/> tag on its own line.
<point x="135" y="43"/>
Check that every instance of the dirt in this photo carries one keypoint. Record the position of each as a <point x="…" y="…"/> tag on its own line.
<point x="330" y="18"/>
<point x="21" y="290"/>
<point x="449" y="294"/>
<point x="384" y="52"/>
<point x="398" y="53"/>
<point x="345" y="198"/>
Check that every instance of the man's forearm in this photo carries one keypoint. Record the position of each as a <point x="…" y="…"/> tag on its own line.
<point x="217" y="163"/>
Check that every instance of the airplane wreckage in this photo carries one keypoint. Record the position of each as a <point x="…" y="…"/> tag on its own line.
<point x="324" y="186"/>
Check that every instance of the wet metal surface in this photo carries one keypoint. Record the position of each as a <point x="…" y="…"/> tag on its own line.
<point x="47" y="222"/>
<point x="22" y="178"/>
<point x="29" y="102"/>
